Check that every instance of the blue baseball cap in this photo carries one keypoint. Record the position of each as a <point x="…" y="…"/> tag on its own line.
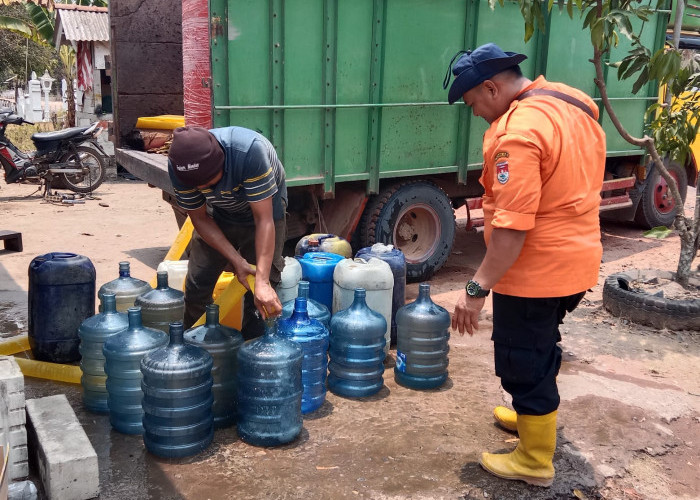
<point x="475" y="66"/>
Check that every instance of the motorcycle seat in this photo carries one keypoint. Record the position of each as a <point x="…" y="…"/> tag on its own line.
<point x="58" y="135"/>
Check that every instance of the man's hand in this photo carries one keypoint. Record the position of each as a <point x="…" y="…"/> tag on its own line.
<point x="242" y="270"/>
<point x="466" y="315"/>
<point x="266" y="300"/>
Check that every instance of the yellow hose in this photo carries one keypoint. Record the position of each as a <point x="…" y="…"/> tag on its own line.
<point x="13" y="345"/>
<point x="51" y="371"/>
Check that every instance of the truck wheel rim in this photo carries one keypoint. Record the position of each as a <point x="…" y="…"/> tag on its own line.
<point x="663" y="200"/>
<point x="417" y="232"/>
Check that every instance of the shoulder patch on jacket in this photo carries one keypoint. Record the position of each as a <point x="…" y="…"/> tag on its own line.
<point x="502" y="173"/>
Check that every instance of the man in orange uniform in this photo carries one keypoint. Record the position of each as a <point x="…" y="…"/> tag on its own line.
<point x="544" y="160"/>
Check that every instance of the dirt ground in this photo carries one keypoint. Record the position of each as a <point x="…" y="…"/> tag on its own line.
<point x="628" y="427"/>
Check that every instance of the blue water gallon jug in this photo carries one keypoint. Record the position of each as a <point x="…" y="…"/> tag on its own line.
<point x="397" y="263"/>
<point x="93" y="332"/>
<point x="356" y="350"/>
<point x="222" y="343"/>
<point x="422" y="343"/>
<point x="61" y="297"/>
<point x="317" y="268"/>
<point x="161" y="306"/>
<point x="323" y="242"/>
<point x="177" y="398"/>
<point x="125" y="288"/>
<point x="313" y="338"/>
<point x="269" y="389"/>
<point x="314" y="308"/>
<point x="123" y="354"/>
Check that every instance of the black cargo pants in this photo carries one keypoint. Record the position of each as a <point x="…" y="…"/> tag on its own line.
<point x="206" y="265"/>
<point x="526" y="351"/>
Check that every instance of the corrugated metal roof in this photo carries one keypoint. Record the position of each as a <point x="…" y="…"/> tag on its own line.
<point x="83" y="23"/>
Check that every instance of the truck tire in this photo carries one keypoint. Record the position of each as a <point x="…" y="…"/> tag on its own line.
<point x="417" y="218"/>
<point x="624" y="302"/>
<point x="656" y="206"/>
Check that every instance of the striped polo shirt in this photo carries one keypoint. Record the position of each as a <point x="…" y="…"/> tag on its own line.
<point x="252" y="172"/>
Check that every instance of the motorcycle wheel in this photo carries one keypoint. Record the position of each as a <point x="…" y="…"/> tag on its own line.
<point x="93" y="160"/>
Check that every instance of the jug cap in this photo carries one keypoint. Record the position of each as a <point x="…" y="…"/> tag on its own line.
<point x="124" y="269"/>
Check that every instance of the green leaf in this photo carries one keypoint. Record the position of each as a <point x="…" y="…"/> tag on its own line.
<point x="43" y="21"/>
<point x="597" y="34"/>
<point x="625" y="26"/>
<point x="16" y="26"/>
<point x="642" y="80"/>
<point x="590" y="18"/>
<point x="637" y="64"/>
<point x="658" y="232"/>
<point x="68" y="60"/>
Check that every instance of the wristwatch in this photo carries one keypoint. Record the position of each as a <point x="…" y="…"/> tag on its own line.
<point x="474" y="290"/>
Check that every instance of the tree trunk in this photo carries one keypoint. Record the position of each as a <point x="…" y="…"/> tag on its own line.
<point x="70" y="101"/>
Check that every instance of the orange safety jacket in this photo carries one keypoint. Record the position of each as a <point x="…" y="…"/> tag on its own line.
<point x="544" y="162"/>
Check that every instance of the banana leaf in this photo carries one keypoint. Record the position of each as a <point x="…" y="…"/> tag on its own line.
<point x="43" y="21"/>
<point x="15" y="25"/>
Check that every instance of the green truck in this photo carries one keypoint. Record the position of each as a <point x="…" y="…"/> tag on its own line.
<point x="350" y="93"/>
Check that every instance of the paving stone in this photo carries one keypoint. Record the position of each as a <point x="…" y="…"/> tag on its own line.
<point x="67" y="462"/>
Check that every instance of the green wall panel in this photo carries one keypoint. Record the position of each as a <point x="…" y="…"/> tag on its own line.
<point x="568" y="53"/>
<point x="354" y="47"/>
<point x="357" y="84"/>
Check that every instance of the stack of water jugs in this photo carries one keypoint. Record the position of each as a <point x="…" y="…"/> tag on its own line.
<point x="340" y="315"/>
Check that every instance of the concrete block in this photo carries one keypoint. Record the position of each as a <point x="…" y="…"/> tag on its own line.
<point x="15" y="401"/>
<point x="17" y="417"/>
<point x="18" y="436"/>
<point x="13" y="416"/>
<point x="10" y="375"/>
<point x="19" y="454"/>
<point x="19" y="470"/>
<point x="66" y="460"/>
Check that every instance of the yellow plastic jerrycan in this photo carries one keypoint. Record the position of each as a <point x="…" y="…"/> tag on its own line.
<point x="228" y="294"/>
<point x="234" y="317"/>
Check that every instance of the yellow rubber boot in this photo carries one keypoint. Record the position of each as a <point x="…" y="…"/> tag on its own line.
<point x="531" y="461"/>
<point x="506" y="418"/>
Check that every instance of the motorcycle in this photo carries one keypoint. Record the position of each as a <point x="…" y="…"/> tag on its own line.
<point x="69" y="158"/>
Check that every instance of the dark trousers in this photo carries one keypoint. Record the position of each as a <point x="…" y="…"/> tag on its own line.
<point x="206" y="265"/>
<point x="527" y="357"/>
